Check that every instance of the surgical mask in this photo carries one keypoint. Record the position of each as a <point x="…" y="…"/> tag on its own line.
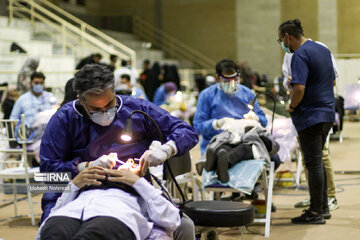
<point x="286" y="49"/>
<point x="228" y="87"/>
<point x="103" y="118"/>
<point x="38" y="88"/>
<point x="123" y="86"/>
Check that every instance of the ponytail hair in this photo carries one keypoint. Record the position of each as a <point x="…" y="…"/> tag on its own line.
<point x="292" y="27"/>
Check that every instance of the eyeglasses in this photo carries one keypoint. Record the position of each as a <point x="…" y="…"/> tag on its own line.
<point x="111" y="105"/>
<point x="280" y="40"/>
<point x="106" y="111"/>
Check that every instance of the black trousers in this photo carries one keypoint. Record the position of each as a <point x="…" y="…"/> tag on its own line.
<point x="243" y="151"/>
<point x="237" y="152"/>
<point x="312" y="142"/>
<point x="97" y="228"/>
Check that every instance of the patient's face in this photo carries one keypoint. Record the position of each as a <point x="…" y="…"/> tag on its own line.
<point x="131" y="166"/>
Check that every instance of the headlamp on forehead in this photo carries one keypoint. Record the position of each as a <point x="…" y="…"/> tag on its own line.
<point x="231" y="77"/>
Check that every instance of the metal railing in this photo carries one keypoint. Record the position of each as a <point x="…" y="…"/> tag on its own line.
<point x="75" y="34"/>
<point x="169" y="44"/>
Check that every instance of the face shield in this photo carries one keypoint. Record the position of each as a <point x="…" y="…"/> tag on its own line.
<point x="229" y="83"/>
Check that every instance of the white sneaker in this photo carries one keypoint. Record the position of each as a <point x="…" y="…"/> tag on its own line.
<point x="303" y="203"/>
<point x="333" y="204"/>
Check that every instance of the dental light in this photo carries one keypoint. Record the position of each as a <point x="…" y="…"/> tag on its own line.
<point x="126" y="137"/>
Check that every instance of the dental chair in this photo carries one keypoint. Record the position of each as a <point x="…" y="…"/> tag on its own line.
<point x="209" y="215"/>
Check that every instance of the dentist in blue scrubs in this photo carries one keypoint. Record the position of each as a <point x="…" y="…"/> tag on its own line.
<point x="223" y="101"/>
<point x="83" y="131"/>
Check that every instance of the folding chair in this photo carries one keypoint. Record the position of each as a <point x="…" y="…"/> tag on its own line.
<point x="209" y="215"/>
<point x="16" y="169"/>
<point x="184" y="173"/>
<point x="267" y="181"/>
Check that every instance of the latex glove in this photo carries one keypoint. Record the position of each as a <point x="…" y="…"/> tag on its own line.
<point x="217" y="124"/>
<point x="157" y="153"/>
<point x="251" y="115"/>
<point x="105" y="161"/>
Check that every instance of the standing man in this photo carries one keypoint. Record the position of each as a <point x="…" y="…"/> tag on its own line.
<point x="312" y="110"/>
<point x="113" y="61"/>
<point x="82" y="132"/>
<point x="331" y="192"/>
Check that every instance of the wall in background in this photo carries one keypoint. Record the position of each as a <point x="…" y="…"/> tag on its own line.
<point x="206" y="25"/>
<point x="348" y="30"/>
<point x="256" y="33"/>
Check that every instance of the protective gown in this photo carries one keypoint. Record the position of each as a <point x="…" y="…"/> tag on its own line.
<point x="71" y="138"/>
<point x="214" y="104"/>
<point x="160" y="96"/>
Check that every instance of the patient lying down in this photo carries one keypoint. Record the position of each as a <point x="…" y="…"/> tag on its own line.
<point x="133" y="209"/>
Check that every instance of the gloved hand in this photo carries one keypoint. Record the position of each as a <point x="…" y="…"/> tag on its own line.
<point x="105" y="161"/>
<point x="217" y="124"/>
<point x="251" y="115"/>
<point x="157" y="153"/>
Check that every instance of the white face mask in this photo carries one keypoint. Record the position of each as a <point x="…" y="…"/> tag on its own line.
<point x="123" y="86"/>
<point x="103" y="118"/>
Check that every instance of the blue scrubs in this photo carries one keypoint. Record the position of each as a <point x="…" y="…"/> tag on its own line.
<point x="138" y="93"/>
<point x="311" y="66"/>
<point x="70" y="138"/>
<point x="214" y="104"/>
<point x="160" y="96"/>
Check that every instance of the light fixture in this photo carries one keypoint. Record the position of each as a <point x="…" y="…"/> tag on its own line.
<point x="126" y="136"/>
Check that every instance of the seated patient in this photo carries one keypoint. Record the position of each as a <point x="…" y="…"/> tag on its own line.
<point x="242" y="140"/>
<point x="89" y="211"/>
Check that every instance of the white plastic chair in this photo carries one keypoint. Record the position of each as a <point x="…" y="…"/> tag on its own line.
<point x="16" y="169"/>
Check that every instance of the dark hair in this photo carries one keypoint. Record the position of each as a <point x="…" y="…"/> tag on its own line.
<point x="226" y="66"/>
<point x="126" y="76"/>
<point x="292" y="27"/>
<point x="37" y="75"/>
<point x="113" y="57"/>
<point x="93" y="79"/>
<point x="147" y="61"/>
<point x="98" y="55"/>
<point x="123" y="63"/>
